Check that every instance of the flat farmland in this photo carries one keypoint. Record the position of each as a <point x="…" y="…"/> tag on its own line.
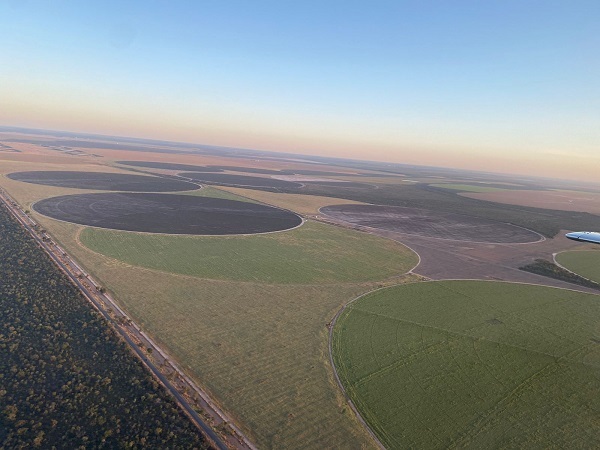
<point x="584" y="263"/>
<point x="168" y="166"/>
<point x="313" y="253"/>
<point x="468" y="187"/>
<point x="473" y="364"/>
<point x="102" y="181"/>
<point x="299" y="203"/>
<point x="433" y="224"/>
<point x="555" y="199"/>
<point x="213" y="192"/>
<point x="259" y="349"/>
<point x="229" y="179"/>
<point x="167" y="213"/>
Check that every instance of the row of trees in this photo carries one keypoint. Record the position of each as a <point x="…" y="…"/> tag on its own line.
<point x="66" y="379"/>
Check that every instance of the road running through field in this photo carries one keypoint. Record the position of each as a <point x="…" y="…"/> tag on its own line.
<point x="183" y="389"/>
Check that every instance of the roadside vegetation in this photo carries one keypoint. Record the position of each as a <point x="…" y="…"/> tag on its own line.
<point x="66" y="379"/>
<point x="585" y="263"/>
<point x="549" y="269"/>
<point x="473" y="364"/>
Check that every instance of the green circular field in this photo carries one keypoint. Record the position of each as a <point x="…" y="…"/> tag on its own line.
<point x="584" y="263"/>
<point x="473" y="364"/>
<point x="312" y="253"/>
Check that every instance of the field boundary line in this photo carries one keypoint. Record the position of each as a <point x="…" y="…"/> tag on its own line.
<point x="333" y="322"/>
<point x="543" y="238"/>
<point x="302" y="221"/>
<point x="570" y="271"/>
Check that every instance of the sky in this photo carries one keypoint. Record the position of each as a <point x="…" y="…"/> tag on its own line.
<point x="504" y="86"/>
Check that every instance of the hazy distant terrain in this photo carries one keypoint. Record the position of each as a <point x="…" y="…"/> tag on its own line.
<point x="249" y="315"/>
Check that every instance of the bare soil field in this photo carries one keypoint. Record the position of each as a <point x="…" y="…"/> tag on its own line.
<point x="438" y="225"/>
<point x="164" y="213"/>
<point x="562" y="200"/>
<point x="251" y="170"/>
<point x="103" y="181"/>
<point x="226" y="179"/>
<point x="169" y="166"/>
<point x="339" y="183"/>
<point x="299" y="203"/>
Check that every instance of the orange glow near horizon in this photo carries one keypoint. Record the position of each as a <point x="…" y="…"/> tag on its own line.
<point x="291" y="136"/>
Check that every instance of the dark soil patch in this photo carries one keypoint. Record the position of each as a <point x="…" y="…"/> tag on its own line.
<point x="551" y="270"/>
<point x="421" y="222"/>
<point x="252" y="170"/>
<point x="323" y="173"/>
<point x="164" y="213"/>
<point x="340" y="184"/>
<point x="169" y="166"/>
<point x="103" y="181"/>
<point x="226" y="179"/>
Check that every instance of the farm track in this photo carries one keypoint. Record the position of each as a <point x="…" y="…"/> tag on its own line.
<point x="187" y="394"/>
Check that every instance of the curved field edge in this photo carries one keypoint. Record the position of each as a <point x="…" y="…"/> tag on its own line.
<point x="585" y="263"/>
<point x="259" y="350"/>
<point x="313" y="253"/>
<point x="473" y="364"/>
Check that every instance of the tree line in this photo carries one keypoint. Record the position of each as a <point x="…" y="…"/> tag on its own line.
<point x="66" y="379"/>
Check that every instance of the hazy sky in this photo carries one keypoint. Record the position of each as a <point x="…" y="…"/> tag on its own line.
<point x="493" y="85"/>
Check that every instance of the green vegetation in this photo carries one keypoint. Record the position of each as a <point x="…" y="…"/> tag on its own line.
<point x="584" y="263"/>
<point x="473" y="364"/>
<point x="66" y="380"/>
<point x="259" y="349"/>
<point x="467" y="187"/>
<point x="551" y="270"/>
<point x="312" y="253"/>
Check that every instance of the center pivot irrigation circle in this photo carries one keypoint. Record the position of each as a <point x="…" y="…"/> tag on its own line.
<point x="167" y="213"/>
<point x="431" y="224"/>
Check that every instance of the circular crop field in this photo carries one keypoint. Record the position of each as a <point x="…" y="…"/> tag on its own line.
<point x="169" y="166"/>
<point x="431" y="224"/>
<point x="103" y="181"/>
<point x="473" y="364"/>
<point x="226" y="179"/>
<point x="164" y="213"/>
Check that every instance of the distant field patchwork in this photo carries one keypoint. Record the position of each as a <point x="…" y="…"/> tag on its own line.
<point x="467" y="187"/>
<point x="474" y="364"/>
<point x="313" y="253"/>
<point x="584" y="263"/>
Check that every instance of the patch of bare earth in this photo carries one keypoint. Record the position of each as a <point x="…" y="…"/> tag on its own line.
<point x="561" y="200"/>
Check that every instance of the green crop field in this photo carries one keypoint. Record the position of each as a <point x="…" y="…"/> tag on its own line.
<point x="312" y="253"/>
<point x="467" y="187"/>
<point x="259" y="349"/>
<point x="584" y="263"/>
<point x="474" y="364"/>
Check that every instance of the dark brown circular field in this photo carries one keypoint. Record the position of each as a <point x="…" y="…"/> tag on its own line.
<point x="227" y="179"/>
<point x="103" y="181"/>
<point x="167" y="213"/>
<point x="431" y="224"/>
